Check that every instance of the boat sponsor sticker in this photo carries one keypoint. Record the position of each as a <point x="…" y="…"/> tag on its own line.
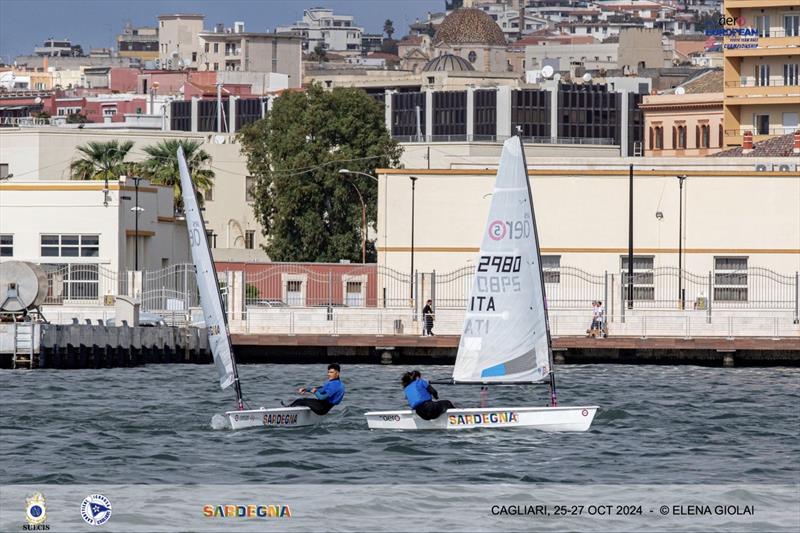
<point x="391" y="418"/>
<point x="96" y="509"/>
<point x="585" y="412"/>
<point x="253" y="511"/>
<point x="483" y="419"/>
<point x="35" y="513"/>
<point x="278" y="419"/>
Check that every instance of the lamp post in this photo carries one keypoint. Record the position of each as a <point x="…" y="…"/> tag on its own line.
<point x="363" y="210"/>
<point x="136" y="209"/>
<point x="413" y="189"/>
<point x="681" y="290"/>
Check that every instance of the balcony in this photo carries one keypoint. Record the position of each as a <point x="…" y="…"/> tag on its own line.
<point x="758" y="4"/>
<point x="776" y="90"/>
<point x="776" y="42"/>
<point x="771" y="131"/>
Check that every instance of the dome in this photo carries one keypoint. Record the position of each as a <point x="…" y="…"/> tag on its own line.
<point x="447" y="62"/>
<point x="469" y="26"/>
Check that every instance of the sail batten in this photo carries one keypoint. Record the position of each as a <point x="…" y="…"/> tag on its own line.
<point x="207" y="284"/>
<point x="505" y="337"/>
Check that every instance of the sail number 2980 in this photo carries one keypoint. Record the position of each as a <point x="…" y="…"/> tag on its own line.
<point x="499" y="263"/>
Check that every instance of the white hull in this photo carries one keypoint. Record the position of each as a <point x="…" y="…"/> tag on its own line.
<point x="541" y="418"/>
<point x="278" y="417"/>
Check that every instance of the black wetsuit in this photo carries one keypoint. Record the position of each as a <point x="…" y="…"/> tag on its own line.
<point x="320" y="407"/>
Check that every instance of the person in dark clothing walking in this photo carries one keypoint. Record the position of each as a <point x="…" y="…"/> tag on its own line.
<point x="427" y="316"/>
<point x="325" y="396"/>
<point x="422" y="397"/>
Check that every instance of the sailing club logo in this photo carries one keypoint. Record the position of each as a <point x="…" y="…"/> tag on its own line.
<point x="96" y="509"/>
<point x="35" y="513"/>
<point x="497" y="230"/>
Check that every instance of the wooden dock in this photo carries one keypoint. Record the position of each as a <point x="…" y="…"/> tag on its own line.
<point x="408" y="349"/>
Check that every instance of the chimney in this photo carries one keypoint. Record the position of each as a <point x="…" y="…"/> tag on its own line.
<point x="796" y="148"/>
<point x="747" y="142"/>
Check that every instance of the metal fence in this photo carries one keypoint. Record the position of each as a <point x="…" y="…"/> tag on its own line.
<point x="173" y="288"/>
<point x="82" y="283"/>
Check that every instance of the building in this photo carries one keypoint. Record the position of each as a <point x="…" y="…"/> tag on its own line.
<point x="86" y="234"/>
<point x="762" y="68"/>
<point x="240" y="51"/>
<point x="55" y="47"/>
<point x="321" y="27"/>
<point x="44" y="154"/>
<point x="472" y="34"/>
<point x="178" y="40"/>
<point x="581" y="208"/>
<point x="140" y="43"/>
<point x="686" y="121"/>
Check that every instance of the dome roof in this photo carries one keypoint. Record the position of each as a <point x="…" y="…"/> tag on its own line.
<point x="469" y="26"/>
<point x="447" y="62"/>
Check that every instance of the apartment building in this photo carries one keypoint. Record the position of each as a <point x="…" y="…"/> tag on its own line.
<point x="177" y="40"/>
<point x="140" y="43"/>
<point x="321" y="27"/>
<point x="762" y="68"/>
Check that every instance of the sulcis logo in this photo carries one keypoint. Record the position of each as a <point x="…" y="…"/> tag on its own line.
<point x="35" y="513"/>
<point x="96" y="509"/>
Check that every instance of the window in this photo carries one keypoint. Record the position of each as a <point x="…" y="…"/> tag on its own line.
<point x="730" y="279"/>
<point x="109" y="111"/>
<point x="249" y="239"/>
<point x="216" y="66"/>
<point x="194" y="57"/>
<point x="791" y="25"/>
<point x="207" y="47"/>
<point x="3" y="171"/>
<point x="212" y="238"/>
<point x="643" y="279"/>
<point x="216" y="48"/>
<point x="472" y="56"/>
<point x="208" y="194"/>
<point x="762" y="75"/>
<point x="70" y="245"/>
<point x="551" y="268"/>
<point x="294" y="292"/>
<point x="249" y="189"/>
<point x="659" y="138"/>
<point x="354" y="297"/>
<point x="791" y="74"/>
<point x="721" y="135"/>
<point x="679" y="137"/>
<point x="761" y="124"/>
<point x="762" y="25"/>
<point x="705" y="136"/>
<point x="6" y="245"/>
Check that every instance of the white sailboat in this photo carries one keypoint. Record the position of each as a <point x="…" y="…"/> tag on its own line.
<point x="217" y="323"/>
<point x="506" y="335"/>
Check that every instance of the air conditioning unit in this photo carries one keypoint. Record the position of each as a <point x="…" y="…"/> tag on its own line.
<point x="762" y="167"/>
<point x="784" y="167"/>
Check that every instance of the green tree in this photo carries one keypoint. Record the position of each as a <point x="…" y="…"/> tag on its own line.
<point x="320" y="54"/>
<point x="162" y="167"/>
<point x="102" y="161"/>
<point x="309" y="211"/>
<point x="388" y="28"/>
<point x="76" y="118"/>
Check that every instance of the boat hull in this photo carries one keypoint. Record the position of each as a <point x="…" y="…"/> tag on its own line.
<point x="540" y="418"/>
<point x="281" y="417"/>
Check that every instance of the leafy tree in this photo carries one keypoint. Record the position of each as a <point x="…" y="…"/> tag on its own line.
<point x="320" y="54"/>
<point x="388" y="28"/>
<point x="102" y="161"/>
<point x="76" y="118"/>
<point x="162" y="167"/>
<point x="309" y="211"/>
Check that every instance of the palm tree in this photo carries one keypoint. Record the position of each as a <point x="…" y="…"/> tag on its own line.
<point x="162" y="167"/>
<point x="388" y="28"/>
<point x="102" y="161"/>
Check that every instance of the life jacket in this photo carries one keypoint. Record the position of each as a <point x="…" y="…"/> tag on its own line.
<point x="417" y="393"/>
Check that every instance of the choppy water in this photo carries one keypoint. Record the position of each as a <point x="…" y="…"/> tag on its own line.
<point x="657" y="425"/>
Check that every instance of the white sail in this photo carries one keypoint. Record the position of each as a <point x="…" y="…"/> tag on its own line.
<point x="505" y="335"/>
<point x="210" y="301"/>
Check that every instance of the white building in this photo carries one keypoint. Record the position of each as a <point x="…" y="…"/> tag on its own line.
<point x="320" y="27"/>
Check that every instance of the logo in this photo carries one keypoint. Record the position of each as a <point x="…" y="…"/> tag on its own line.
<point x="35" y="513"/>
<point x="280" y="419"/>
<point x="585" y="412"/>
<point x="96" y="509"/>
<point x="247" y="511"/>
<point x="483" y="419"/>
<point x="391" y="418"/>
<point x="497" y="230"/>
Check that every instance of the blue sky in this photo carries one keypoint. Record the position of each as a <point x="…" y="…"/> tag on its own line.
<point x="25" y="24"/>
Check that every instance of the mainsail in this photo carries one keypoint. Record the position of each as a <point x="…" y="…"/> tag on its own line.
<point x="505" y="336"/>
<point x="216" y="322"/>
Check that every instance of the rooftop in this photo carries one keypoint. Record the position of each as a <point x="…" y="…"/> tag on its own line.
<point x="775" y="147"/>
<point x="469" y="26"/>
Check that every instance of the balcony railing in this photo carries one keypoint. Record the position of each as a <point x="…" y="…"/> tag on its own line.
<point x="772" y="130"/>
<point x="773" y="81"/>
<point x="602" y="141"/>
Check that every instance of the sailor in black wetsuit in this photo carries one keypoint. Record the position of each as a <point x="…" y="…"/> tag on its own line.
<point x="422" y="397"/>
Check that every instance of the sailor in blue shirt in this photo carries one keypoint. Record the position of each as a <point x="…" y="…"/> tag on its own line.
<point x="422" y="397"/>
<point x="325" y="396"/>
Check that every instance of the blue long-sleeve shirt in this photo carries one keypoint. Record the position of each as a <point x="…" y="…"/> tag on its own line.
<point x="332" y="391"/>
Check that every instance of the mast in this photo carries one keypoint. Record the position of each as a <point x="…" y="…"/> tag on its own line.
<point x="553" y="399"/>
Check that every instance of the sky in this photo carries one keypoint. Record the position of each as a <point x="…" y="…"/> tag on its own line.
<point x="25" y="24"/>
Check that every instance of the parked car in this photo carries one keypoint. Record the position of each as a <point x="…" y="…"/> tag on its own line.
<point x="148" y="320"/>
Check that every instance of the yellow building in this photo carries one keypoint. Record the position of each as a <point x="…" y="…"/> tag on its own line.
<point x="762" y="68"/>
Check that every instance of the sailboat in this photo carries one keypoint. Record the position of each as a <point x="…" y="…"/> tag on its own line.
<point x="216" y="323"/>
<point x="506" y="335"/>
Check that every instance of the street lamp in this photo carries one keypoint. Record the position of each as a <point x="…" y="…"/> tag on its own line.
<point x="681" y="290"/>
<point x="345" y="171"/>
<point x="136" y="210"/>
<point x="413" y="188"/>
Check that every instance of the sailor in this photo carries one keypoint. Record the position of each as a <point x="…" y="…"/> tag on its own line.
<point x="422" y="397"/>
<point x="325" y="396"/>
